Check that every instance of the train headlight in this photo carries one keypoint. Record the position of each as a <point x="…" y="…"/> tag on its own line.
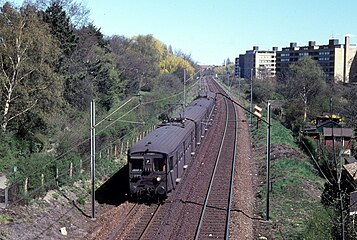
<point x="158" y="178"/>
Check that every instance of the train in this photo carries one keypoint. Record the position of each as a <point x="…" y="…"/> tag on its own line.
<point x="158" y="161"/>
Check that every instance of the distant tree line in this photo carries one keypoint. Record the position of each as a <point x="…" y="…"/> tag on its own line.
<point x="305" y="95"/>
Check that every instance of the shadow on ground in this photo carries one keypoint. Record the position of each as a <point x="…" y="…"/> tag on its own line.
<point x="115" y="190"/>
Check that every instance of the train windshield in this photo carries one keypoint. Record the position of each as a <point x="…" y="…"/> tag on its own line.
<point x="137" y="164"/>
<point x="159" y="165"/>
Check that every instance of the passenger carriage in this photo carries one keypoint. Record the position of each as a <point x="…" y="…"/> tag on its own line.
<point x="157" y="162"/>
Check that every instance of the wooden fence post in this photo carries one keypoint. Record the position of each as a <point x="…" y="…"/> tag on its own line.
<point x="80" y="165"/>
<point x="26" y="183"/>
<point x="6" y="197"/>
<point x="71" y="170"/>
<point x="57" y="176"/>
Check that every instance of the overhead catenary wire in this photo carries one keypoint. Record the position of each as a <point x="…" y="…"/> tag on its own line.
<point x="68" y="151"/>
<point x="82" y="142"/>
<point x="65" y="171"/>
<point x="53" y="180"/>
<point x="109" y="115"/>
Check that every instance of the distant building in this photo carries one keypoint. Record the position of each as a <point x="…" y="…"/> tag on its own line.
<point x="335" y="59"/>
<point x="257" y="63"/>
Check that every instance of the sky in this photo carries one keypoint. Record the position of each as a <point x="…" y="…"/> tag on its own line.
<point x="212" y="31"/>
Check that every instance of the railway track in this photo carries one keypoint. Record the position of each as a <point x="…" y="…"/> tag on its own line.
<point x="199" y="208"/>
<point x="215" y="215"/>
<point x="136" y="222"/>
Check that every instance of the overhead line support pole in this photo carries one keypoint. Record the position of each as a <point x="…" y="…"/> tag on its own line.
<point x="92" y="108"/>
<point x="268" y="163"/>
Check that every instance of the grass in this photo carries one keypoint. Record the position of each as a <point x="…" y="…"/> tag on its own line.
<point x="4" y="219"/>
<point x="295" y="185"/>
<point x="279" y="134"/>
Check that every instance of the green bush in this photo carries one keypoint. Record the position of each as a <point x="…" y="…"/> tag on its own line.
<point x="11" y="150"/>
<point x="310" y="144"/>
<point x="320" y="226"/>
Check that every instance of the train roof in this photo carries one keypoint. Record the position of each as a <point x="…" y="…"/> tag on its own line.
<point x="164" y="139"/>
<point x="197" y="109"/>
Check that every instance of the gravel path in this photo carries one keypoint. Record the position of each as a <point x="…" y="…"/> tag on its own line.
<point x="242" y="216"/>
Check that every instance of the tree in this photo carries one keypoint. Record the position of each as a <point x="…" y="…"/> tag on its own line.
<point x="61" y="28"/>
<point x="75" y="10"/>
<point x="91" y="71"/>
<point x="28" y="51"/>
<point x="176" y="65"/>
<point x="349" y="107"/>
<point x="303" y="83"/>
<point x="137" y="60"/>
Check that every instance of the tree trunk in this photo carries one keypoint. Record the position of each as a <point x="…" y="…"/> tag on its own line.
<point x="305" y="110"/>
<point x="5" y="118"/>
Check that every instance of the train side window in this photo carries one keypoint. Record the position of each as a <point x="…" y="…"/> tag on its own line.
<point x="159" y="164"/>
<point x="171" y="163"/>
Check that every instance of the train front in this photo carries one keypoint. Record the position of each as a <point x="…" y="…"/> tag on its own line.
<point x="147" y="175"/>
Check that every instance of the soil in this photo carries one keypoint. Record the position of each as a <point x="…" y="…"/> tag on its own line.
<point x="44" y="218"/>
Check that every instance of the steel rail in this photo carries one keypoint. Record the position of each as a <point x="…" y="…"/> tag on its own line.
<point x="120" y="224"/>
<point x="149" y="222"/>
<point x="232" y="177"/>
<point x="212" y="176"/>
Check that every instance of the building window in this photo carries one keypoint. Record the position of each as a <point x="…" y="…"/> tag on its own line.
<point x="324" y="53"/>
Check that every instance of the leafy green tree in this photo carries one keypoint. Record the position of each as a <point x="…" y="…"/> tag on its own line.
<point x="137" y="60"/>
<point x="176" y="65"/>
<point x="28" y="52"/>
<point x="264" y="90"/>
<point x="348" y="108"/>
<point x="303" y="83"/>
<point x="92" y="73"/>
